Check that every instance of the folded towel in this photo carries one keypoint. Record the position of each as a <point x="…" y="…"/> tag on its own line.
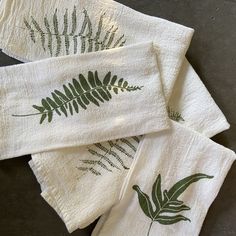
<point x="81" y="187"/>
<point x="66" y="27"/>
<point x="173" y="181"/>
<point x="61" y="28"/>
<point x="113" y="92"/>
<point x="197" y="108"/>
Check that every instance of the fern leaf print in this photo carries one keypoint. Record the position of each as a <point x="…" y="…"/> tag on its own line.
<point x="58" y="40"/>
<point x="174" y="115"/>
<point x="81" y="35"/>
<point x="106" y="157"/>
<point x="77" y="33"/>
<point x="79" y="94"/>
<point x="167" y="205"/>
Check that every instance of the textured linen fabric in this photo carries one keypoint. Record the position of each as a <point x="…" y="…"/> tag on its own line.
<point x="168" y="190"/>
<point x="80" y="197"/>
<point x="66" y="27"/>
<point x="189" y="101"/>
<point x="73" y="26"/>
<point x="66" y="86"/>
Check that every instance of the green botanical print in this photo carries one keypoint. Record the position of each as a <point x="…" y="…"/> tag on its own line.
<point x="174" y="115"/>
<point x="166" y="202"/>
<point x="64" y="39"/>
<point x="116" y="155"/>
<point x="79" y="94"/>
<point x="69" y="34"/>
<point x="88" y="37"/>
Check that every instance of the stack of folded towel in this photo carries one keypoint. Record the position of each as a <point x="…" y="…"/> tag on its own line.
<point x="116" y="119"/>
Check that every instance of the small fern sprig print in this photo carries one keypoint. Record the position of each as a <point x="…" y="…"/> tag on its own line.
<point x="79" y="94"/>
<point x="103" y="161"/>
<point x="105" y="156"/>
<point x="54" y="39"/>
<point x="174" y="115"/>
<point x="166" y="202"/>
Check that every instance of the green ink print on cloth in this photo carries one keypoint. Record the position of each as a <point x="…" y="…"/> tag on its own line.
<point x="65" y="41"/>
<point x="109" y="157"/>
<point x="174" y="115"/>
<point x="166" y="202"/>
<point x="79" y="94"/>
<point x="90" y="37"/>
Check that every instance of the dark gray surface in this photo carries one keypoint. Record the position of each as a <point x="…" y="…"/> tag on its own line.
<point x="213" y="54"/>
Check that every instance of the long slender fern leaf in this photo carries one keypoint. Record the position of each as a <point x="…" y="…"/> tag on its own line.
<point x="166" y="203"/>
<point x="65" y="32"/>
<point x="90" y="39"/>
<point x="106" y="156"/>
<point x="80" y="93"/>
<point x="40" y="31"/>
<point x="103" y="157"/>
<point x="121" y="149"/>
<point x="95" y="172"/>
<point x="49" y="34"/>
<point x="136" y="139"/>
<point x="98" y="34"/>
<point x="56" y="30"/>
<point x="99" y="162"/>
<point x="112" y="154"/>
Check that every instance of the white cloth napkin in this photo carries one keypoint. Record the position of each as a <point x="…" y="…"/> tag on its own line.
<point x="168" y="190"/>
<point x="79" y="100"/>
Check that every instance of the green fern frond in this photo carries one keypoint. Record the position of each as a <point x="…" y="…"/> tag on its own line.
<point x="95" y="172"/>
<point x="121" y="149"/>
<point x="98" y="33"/>
<point x="129" y="144"/>
<point x="99" y="162"/>
<point x="173" y="115"/>
<point x="31" y="30"/>
<point x="40" y="31"/>
<point x="79" y="94"/>
<point x="65" y="32"/>
<point x="57" y="34"/>
<point x="74" y="21"/>
<point x="90" y="39"/>
<point x="103" y="157"/>
<point x="136" y="139"/>
<point x="108" y="154"/>
<point x="49" y="35"/>
<point x="167" y="205"/>
<point x="113" y="154"/>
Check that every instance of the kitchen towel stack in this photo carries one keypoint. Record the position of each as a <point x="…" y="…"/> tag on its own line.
<point x="119" y="95"/>
<point x="64" y="27"/>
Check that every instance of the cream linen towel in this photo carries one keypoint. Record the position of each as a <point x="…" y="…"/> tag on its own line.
<point x="113" y="92"/>
<point x="82" y="189"/>
<point x="63" y="27"/>
<point x="66" y="27"/>
<point x="168" y="190"/>
<point x="201" y="114"/>
<point x="172" y="40"/>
